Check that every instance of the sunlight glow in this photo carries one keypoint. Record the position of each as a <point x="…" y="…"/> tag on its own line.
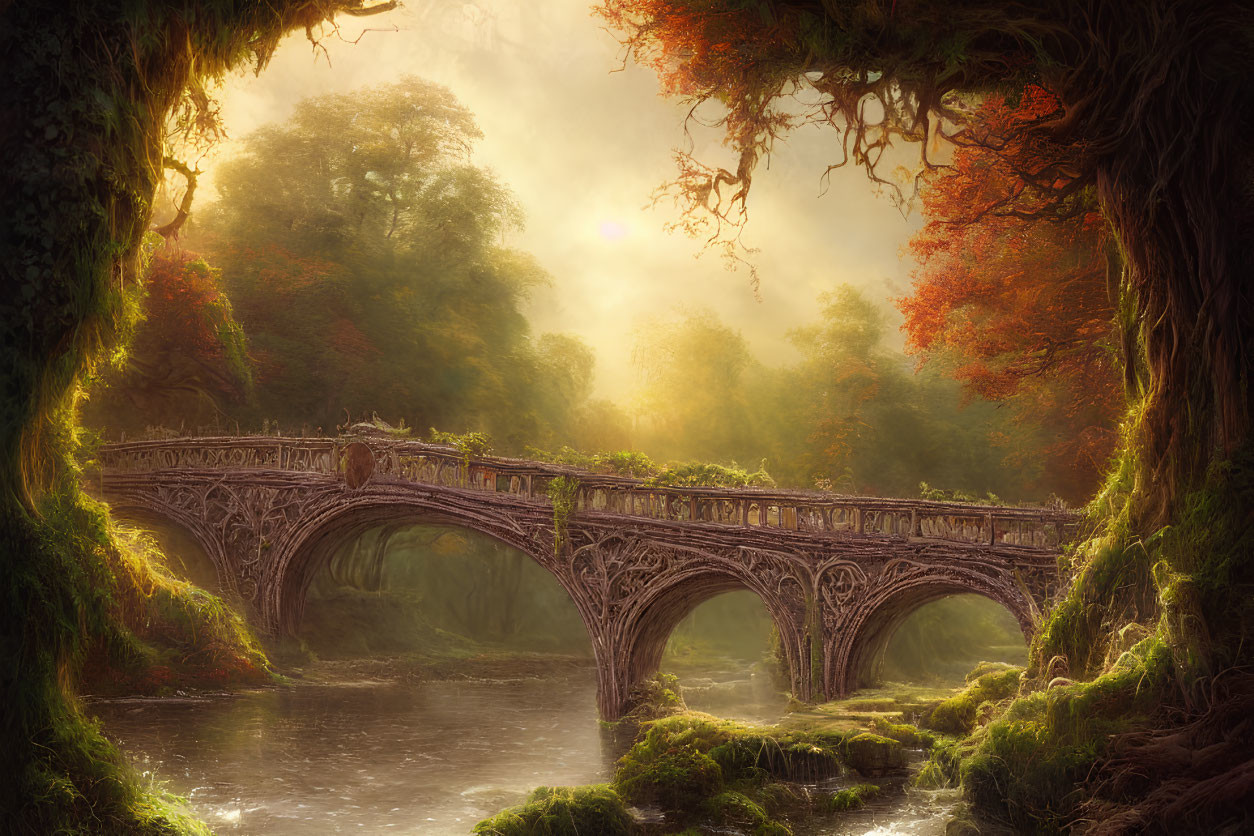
<point x="613" y="230"/>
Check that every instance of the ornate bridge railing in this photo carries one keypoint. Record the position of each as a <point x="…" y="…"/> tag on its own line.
<point x="1031" y="528"/>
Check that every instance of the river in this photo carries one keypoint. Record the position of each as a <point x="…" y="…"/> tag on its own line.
<point x="397" y="757"/>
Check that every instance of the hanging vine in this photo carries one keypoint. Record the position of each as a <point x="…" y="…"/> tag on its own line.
<point x="564" y="493"/>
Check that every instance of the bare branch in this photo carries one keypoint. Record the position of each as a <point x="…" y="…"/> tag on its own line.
<point x="367" y="11"/>
<point x="171" y="229"/>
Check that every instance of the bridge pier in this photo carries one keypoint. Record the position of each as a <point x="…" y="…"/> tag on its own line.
<point x="836" y="574"/>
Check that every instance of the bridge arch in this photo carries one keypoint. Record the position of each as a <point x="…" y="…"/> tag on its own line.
<point x="660" y="609"/>
<point x="194" y="527"/>
<point x="855" y="648"/>
<point x="315" y="537"/>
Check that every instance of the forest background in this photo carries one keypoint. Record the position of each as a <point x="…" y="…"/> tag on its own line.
<point x="356" y="263"/>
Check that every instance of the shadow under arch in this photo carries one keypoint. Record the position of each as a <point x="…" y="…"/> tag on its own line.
<point x="856" y="655"/>
<point x="308" y="550"/>
<point x="660" y="610"/>
<point x="204" y="564"/>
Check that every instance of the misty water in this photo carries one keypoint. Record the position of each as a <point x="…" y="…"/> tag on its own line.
<point x="407" y="757"/>
<point x="365" y="757"/>
<point x="377" y="749"/>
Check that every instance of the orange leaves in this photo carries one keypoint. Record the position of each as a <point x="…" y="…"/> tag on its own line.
<point x="184" y="304"/>
<point x="1014" y="296"/>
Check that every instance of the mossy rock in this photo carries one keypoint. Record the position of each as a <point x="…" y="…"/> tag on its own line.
<point x="851" y="798"/>
<point x="739" y="811"/>
<point x="907" y="735"/>
<point x="563" y="811"/>
<point x="984" y="668"/>
<point x="960" y="714"/>
<point x="953" y="716"/>
<point x="678" y="780"/>
<point x="873" y="755"/>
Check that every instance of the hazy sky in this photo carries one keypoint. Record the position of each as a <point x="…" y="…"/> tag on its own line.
<point x="583" y="147"/>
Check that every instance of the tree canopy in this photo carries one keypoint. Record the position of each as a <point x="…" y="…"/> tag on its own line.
<point x="1023" y="309"/>
<point x="361" y="248"/>
<point x="1145" y="115"/>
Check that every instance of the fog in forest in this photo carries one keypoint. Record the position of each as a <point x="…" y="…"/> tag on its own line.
<point x="443" y="231"/>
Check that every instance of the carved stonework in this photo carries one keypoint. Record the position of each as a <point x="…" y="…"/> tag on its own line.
<point x="635" y="558"/>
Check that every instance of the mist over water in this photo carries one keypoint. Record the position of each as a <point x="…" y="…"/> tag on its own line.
<point x="442" y="676"/>
<point x="365" y="757"/>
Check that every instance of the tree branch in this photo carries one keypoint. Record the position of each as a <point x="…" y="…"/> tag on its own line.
<point x="171" y="230"/>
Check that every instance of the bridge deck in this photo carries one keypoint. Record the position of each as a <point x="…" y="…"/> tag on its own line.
<point x="811" y="512"/>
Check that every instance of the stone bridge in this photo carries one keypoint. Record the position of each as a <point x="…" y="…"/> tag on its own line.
<point x="837" y="574"/>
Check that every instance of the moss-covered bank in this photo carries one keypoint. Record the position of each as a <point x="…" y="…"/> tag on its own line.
<point x="694" y="770"/>
<point x="1127" y="719"/>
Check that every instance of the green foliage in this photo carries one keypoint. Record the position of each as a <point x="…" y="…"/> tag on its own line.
<point x="638" y="465"/>
<point x="470" y="445"/>
<point x="188" y="360"/>
<point x="696" y="474"/>
<point x="624" y="463"/>
<point x="362" y="250"/>
<point x="628" y="463"/>
<point x="926" y="491"/>
<point x="958" y="714"/>
<point x="563" y="492"/>
<point x="850" y="416"/>
<point x="563" y="811"/>
<point x="851" y="798"/>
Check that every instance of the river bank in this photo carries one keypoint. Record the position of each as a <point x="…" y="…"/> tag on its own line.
<point x="417" y="746"/>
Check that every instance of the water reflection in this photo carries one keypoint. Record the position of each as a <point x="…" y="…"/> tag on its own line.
<point x="427" y="758"/>
<point x="907" y="812"/>
<point x="419" y="758"/>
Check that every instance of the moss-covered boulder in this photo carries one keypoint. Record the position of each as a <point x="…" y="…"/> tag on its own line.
<point x="872" y="755"/>
<point x="960" y="714"/>
<point x="851" y="798"/>
<point x="677" y="780"/>
<point x="731" y="809"/>
<point x="563" y="811"/>
<point x="911" y="737"/>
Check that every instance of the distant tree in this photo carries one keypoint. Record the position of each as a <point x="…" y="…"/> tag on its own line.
<point x="691" y="399"/>
<point x="871" y="426"/>
<point x="849" y="416"/>
<point x="189" y="360"/>
<point x="363" y="251"/>
<point x="841" y="373"/>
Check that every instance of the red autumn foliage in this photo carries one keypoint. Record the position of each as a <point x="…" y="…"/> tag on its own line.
<point x="189" y="357"/>
<point x="182" y="309"/>
<point x="1015" y="297"/>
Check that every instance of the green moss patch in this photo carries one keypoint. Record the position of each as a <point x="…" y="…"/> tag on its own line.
<point x="1026" y="765"/>
<point x="851" y="798"/>
<point x="959" y="714"/>
<point x="563" y="811"/>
